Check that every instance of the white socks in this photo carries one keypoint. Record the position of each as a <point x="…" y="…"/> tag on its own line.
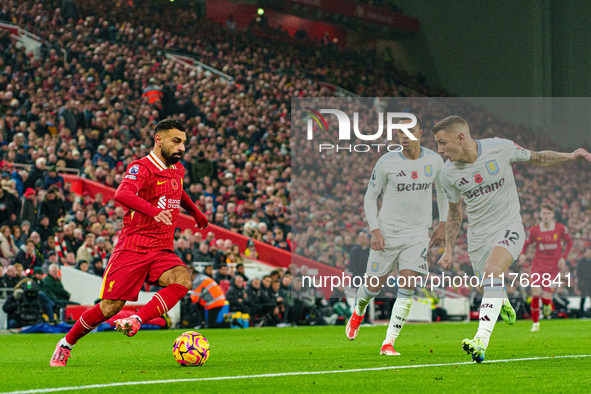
<point x="364" y="297"/>
<point x="65" y="343"/>
<point x="490" y="307"/>
<point x="400" y="312"/>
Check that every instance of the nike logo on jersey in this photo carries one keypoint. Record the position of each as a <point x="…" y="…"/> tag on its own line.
<point x="401" y="173"/>
<point x="160" y="183"/>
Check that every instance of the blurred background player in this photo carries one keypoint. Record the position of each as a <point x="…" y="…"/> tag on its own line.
<point x="400" y="234"/>
<point x="481" y="172"/>
<point x="549" y="259"/>
<point x="152" y="191"/>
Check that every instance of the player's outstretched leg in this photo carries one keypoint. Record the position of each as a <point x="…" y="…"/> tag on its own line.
<point x="535" y="313"/>
<point x="87" y="322"/>
<point x="492" y="301"/>
<point x="176" y="282"/>
<point x="364" y="297"/>
<point x="400" y="312"/>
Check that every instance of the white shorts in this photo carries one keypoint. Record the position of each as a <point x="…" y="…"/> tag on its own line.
<point x="405" y="251"/>
<point x="510" y="237"/>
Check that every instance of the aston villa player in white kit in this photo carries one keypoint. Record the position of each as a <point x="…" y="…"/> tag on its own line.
<point x="400" y="233"/>
<point x="480" y="171"/>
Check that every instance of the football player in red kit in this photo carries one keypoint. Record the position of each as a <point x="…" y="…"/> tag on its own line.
<point x="152" y="190"/>
<point x="549" y="259"/>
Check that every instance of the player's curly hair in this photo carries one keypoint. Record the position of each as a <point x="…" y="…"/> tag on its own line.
<point x="169" y="124"/>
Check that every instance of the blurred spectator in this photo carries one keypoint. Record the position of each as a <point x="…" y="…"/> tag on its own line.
<point x="10" y="207"/>
<point x="203" y="254"/>
<point x="8" y="247"/>
<point x="237" y="296"/>
<point x="11" y="277"/>
<point x="97" y="267"/>
<point x="43" y="229"/>
<point x="55" y="289"/>
<point x="37" y="173"/>
<point x="240" y="272"/>
<point x="202" y="168"/>
<point x="53" y="179"/>
<point x="52" y="206"/>
<point x="29" y="257"/>
<point x="223" y="274"/>
<point x="208" y="270"/>
<point x="29" y="206"/>
<point x="87" y="250"/>
<point x="82" y="265"/>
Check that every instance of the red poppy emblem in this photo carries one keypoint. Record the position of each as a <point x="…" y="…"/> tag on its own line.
<point x="175" y="184"/>
<point x="414" y="175"/>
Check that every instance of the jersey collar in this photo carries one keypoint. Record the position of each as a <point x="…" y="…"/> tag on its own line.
<point x="406" y="158"/>
<point x="157" y="162"/>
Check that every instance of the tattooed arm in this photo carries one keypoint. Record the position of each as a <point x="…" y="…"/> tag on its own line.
<point x="548" y="158"/>
<point x="452" y="228"/>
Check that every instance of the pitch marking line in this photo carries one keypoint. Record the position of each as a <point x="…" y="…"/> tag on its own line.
<point x="275" y="375"/>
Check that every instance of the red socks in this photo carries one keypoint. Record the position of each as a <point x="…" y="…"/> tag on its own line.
<point x="535" y="309"/>
<point x="162" y="302"/>
<point x="87" y="322"/>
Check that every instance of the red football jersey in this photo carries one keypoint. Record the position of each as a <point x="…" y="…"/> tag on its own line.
<point x="161" y="187"/>
<point x="548" y="244"/>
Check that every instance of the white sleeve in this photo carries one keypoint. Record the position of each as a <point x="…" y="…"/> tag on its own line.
<point x="370" y="202"/>
<point x="515" y="152"/>
<point x="442" y="203"/>
<point x="452" y="193"/>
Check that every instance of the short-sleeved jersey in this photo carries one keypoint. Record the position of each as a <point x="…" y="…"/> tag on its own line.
<point x="161" y="187"/>
<point x="488" y="185"/>
<point x="407" y="202"/>
<point x="548" y="243"/>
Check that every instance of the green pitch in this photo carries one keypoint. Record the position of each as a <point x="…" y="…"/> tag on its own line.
<point x="106" y="358"/>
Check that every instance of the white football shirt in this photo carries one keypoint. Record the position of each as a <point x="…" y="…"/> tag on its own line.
<point x="487" y="184"/>
<point x="407" y="199"/>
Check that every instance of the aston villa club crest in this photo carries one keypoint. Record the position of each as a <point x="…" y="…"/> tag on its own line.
<point x="375" y="267"/>
<point x="492" y="167"/>
<point x="428" y="170"/>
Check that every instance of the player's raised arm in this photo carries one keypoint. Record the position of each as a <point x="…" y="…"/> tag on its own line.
<point x="126" y="196"/>
<point x="370" y="206"/>
<point x="548" y="158"/>
<point x="192" y="209"/>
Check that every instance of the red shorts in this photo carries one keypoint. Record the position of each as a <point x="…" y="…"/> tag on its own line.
<point x="127" y="271"/>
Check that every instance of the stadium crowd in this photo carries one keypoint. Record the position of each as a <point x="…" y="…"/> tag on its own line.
<point x="102" y="80"/>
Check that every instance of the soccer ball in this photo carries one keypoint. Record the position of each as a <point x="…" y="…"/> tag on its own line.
<point x="190" y="349"/>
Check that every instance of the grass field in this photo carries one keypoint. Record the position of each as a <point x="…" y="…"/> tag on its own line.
<point x="106" y="358"/>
